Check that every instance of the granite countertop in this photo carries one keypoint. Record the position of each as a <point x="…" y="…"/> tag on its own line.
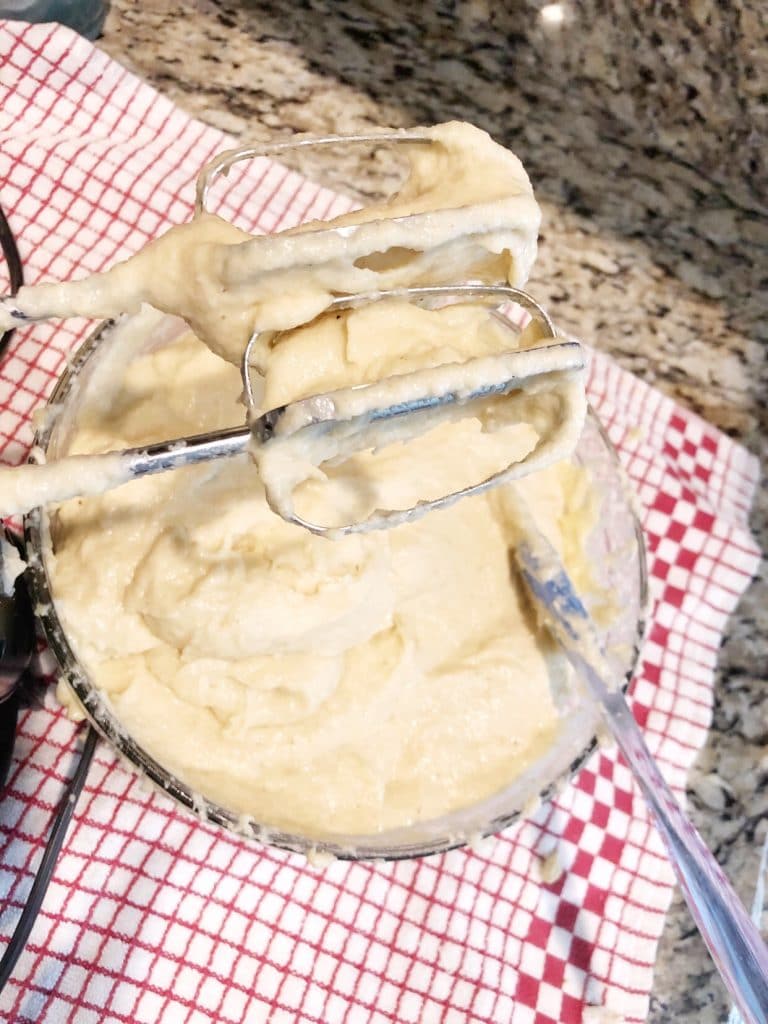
<point x="643" y="129"/>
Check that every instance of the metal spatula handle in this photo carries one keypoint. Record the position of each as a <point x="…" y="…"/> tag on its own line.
<point x="734" y="942"/>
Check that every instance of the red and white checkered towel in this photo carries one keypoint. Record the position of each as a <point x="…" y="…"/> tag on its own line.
<point x="153" y="917"/>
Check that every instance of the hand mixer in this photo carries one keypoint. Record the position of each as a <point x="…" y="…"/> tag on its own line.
<point x="423" y="399"/>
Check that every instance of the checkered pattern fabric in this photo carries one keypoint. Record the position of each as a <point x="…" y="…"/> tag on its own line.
<point x="153" y="917"/>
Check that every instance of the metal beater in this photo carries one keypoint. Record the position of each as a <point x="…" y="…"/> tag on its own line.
<point x="421" y="400"/>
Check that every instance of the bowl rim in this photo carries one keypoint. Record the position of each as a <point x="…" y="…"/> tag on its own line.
<point x="98" y="711"/>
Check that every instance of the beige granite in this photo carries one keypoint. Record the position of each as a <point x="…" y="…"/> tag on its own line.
<point x="644" y="129"/>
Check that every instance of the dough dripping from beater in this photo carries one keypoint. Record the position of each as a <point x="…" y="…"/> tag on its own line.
<point x="447" y="223"/>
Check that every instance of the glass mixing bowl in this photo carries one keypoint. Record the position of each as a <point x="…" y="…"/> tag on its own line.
<point x="615" y="548"/>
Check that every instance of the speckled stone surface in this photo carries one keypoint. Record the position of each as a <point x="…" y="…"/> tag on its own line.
<point x="644" y="128"/>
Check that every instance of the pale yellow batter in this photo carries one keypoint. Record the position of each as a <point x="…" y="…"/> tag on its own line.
<point x="322" y="686"/>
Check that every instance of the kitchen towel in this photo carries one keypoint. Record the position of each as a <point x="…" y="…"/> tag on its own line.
<point x="155" y="917"/>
